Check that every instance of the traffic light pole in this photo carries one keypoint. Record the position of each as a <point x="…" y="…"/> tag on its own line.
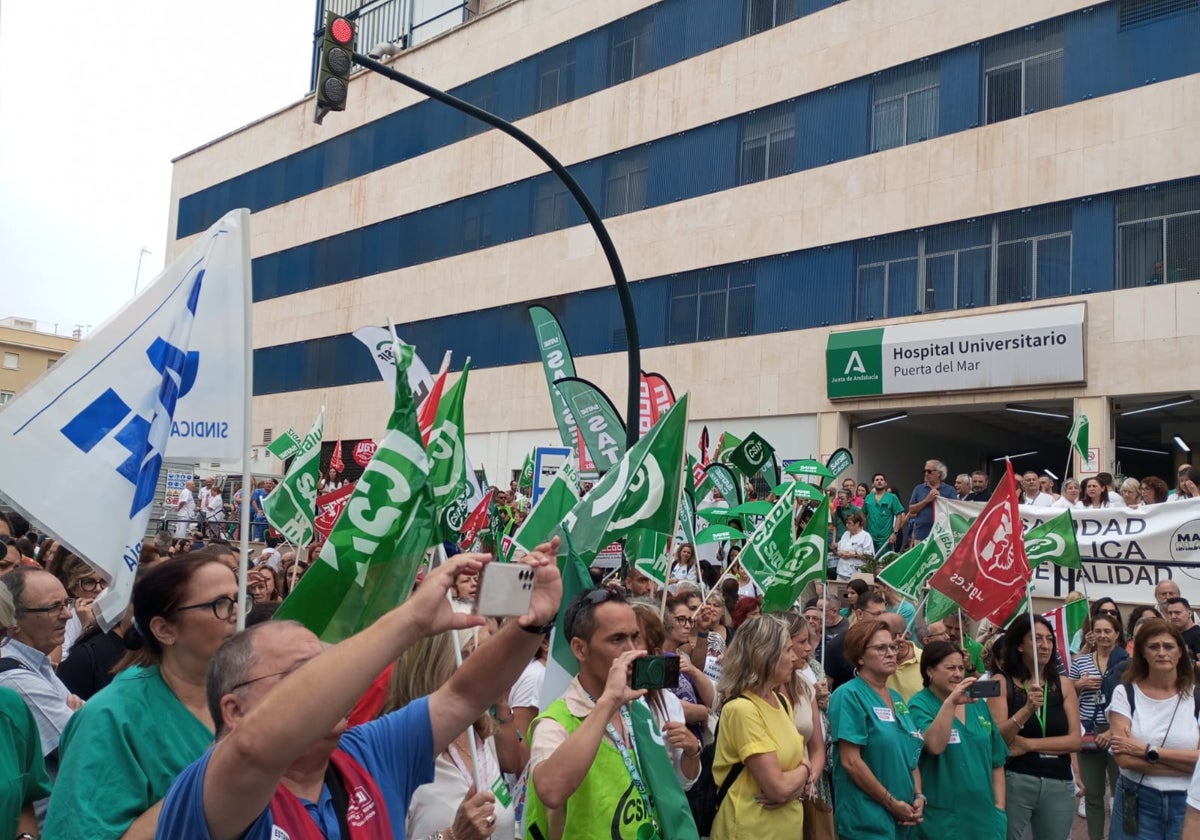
<point x="633" y="407"/>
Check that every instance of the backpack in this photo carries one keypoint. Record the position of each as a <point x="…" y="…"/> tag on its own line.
<point x="7" y="663"/>
<point x="705" y="797"/>
<point x="1195" y="700"/>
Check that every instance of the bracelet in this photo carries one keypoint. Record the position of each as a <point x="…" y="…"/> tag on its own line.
<point x="696" y="754"/>
<point x="25" y="835"/>
<point x="920" y="796"/>
<point x="542" y="629"/>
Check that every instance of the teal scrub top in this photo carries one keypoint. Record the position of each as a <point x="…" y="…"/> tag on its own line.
<point x="134" y="735"/>
<point x="958" y="783"/>
<point x="23" y="777"/>
<point x="890" y="744"/>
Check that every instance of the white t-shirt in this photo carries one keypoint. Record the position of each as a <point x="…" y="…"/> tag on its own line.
<point x="848" y="566"/>
<point x="1149" y="723"/>
<point x="1040" y="500"/>
<point x="527" y="690"/>
<point x="435" y="803"/>
<point x="1193" y="798"/>
<point x="749" y="589"/>
<point x="1064" y="502"/>
<point x="187" y="504"/>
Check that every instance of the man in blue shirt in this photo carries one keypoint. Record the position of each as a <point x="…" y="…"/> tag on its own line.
<point x="285" y="765"/>
<point x="920" y="505"/>
<point x="257" y="515"/>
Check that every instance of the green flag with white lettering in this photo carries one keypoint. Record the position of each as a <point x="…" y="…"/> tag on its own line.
<point x="369" y="563"/>
<point x="751" y="455"/>
<point x="525" y="481"/>
<point x="781" y="566"/>
<point x="640" y="491"/>
<point x="1054" y="540"/>
<point x="447" y="450"/>
<point x="551" y="509"/>
<point x="292" y="505"/>
<point x="598" y="421"/>
<point x="285" y="445"/>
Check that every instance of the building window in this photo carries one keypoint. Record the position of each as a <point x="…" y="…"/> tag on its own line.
<point x="762" y="15"/>
<point x="716" y="303"/>
<point x="887" y="289"/>
<point x="5" y="396"/>
<point x="904" y="110"/>
<point x="556" y="84"/>
<point x="625" y="184"/>
<point x="958" y="279"/>
<point x="477" y="229"/>
<point x="1134" y="12"/>
<point x="1038" y="267"/>
<point x="768" y="145"/>
<point x="631" y="47"/>
<point x="12" y="361"/>
<point x="551" y="202"/>
<point x="1158" y="236"/>
<point x="1023" y="75"/>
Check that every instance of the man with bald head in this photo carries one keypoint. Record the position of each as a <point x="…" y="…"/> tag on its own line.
<point x="285" y="765"/>
<point x="1165" y="591"/>
<point x="907" y="679"/>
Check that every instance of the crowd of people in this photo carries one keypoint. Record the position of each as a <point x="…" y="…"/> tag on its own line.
<point x="847" y="716"/>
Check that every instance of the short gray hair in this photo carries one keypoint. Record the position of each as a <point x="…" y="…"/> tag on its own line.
<point x="941" y="468"/>
<point x="229" y="666"/>
<point x="8" y="610"/>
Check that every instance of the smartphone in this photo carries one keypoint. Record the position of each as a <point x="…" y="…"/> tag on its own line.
<point x="656" y="672"/>
<point x="981" y="689"/>
<point x="505" y="589"/>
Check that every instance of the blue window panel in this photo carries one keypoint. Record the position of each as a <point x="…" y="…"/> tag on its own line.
<point x="872" y="282"/>
<point x="961" y="73"/>
<point x="974" y="278"/>
<point x="940" y="280"/>
<point x="957" y="235"/>
<point x="833" y="124"/>
<point x="887" y="248"/>
<point x="1094" y="245"/>
<point x="902" y="288"/>
<point x="1014" y="272"/>
<point x="1054" y="267"/>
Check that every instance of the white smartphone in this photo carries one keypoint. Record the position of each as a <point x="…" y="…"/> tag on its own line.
<point x="504" y="589"/>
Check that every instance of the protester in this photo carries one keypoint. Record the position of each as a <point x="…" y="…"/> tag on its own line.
<point x="808" y="694"/>
<point x="1070" y="496"/>
<point x="279" y="699"/>
<point x="746" y="608"/>
<point x="586" y="763"/>
<point x="460" y="794"/>
<point x="1163" y="591"/>
<point x="1038" y="715"/>
<point x="1131" y="493"/>
<point x="695" y="691"/>
<point x="152" y="721"/>
<point x="1154" y="736"/>
<point x="758" y="735"/>
<point x="95" y="654"/>
<point x="263" y="585"/>
<point x="1179" y="613"/>
<point x="1032" y="493"/>
<point x="1093" y="494"/>
<point x="685" y="569"/>
<point x="1090" y="673"/>
<point x="854" y="546"/>
<point x="746" y="587"/>
<point x="1154" y="490"/>
<point x="920" y="503"/>
<point x="639" y="584"/>
<point x="185" y="509"/>
<point x="979" y="488"/>
<point x="1135" y="615"/>
<point x="962" y="767"/>
<point x="525" y="697"/>
<point x="897" y="603"/>
<point x="712" y="634"/>
<point x="83" y="586"/>
<point x="907" y="680"/>
<point x="855" y="589"/>
<point x="876" y="783"/>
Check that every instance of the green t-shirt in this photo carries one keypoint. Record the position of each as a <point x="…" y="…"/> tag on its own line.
<point x="890" y="743"/>
<point x="881" y="516"/>
<point x="958" y="783"/>
<point x="23" y="776"/>
<point x="134" y="737"/>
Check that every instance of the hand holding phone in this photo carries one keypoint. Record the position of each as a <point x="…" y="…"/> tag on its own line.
<point x="982" y="689"/>
<point x="656" y="672"/>
<point x="505" y="589"/>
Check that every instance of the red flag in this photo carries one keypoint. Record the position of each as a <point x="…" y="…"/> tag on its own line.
<point x="586" y="464"/>
<point x="428" y="409"/>
<point x="329" y="508"/>
<point x="476" y="522"/>
<point x="657" y="397"/>
<point x="704" y="462"/>
<point x="335" y="460"/>
<point x="988" y="569"/>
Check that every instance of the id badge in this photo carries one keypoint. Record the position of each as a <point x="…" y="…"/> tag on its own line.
<point x="500" y="789"/>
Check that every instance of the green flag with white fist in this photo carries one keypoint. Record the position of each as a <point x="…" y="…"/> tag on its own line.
<point x="751" y="455"/>
<point x="640" y="491"/>
<point x="1054" y="540"/>
<point x="369" y="563"/>
<point x="447" y="451"/>
<point x="551" y="509"/>
<point x="292" y="505"/>
<point x="781" y="566"/>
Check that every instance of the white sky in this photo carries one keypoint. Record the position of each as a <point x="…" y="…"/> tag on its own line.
<point x="90" y="118"/>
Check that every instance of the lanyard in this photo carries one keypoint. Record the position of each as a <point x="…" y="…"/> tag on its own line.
<point x="629" y="757"/>
<point x="1041" y="716"/>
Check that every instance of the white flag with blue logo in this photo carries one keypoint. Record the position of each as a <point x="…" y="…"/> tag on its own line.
<point x="81" y="449"/>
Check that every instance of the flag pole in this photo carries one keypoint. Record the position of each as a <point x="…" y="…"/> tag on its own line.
<point x="1037" y="677"/>
<point x="247" y="416"/>
<point x="458" y="661"/>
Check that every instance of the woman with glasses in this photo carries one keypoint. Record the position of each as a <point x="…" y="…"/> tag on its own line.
<point x="1154" y="736"/>
<point x="83" y="587"/>
<point x="1093" y="673"/>
<point x="695" y="690"/>
<point x="1038" y="715"/>
<point x="962" y="767"/>
<point x="141" y="731"/>
<point x="876" y="743"/>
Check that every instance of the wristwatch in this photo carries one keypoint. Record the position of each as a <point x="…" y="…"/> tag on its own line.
<point x="1152" y="754"/>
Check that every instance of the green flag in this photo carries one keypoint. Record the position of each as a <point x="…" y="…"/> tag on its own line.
<point x="285" y="445"/>
<point x="725" y="482"/>
<point x="938" y="606"/>
<point x="908" y="573"/>
<point x="648" y="552"/>
<point x="1054" y="540"/>
<point x="292" y="505"/>
<point x="599" y="423"/>
<point x="1078" y="436"/>
<point x="551" y="509"/>
<point x="369" y="563"/>
<point x="751" y="455"/>
<point x="726" y="443"/>
<point x="525" y="481"/>
<point x="641" y="491"/>
<point x="781" y="566"/>
<point x="556" y="363"/>
<point x="687" y="518"/>
<point x="975" y="651"/>
<point x="447" y="452"/>
<point x="699" y="484"/>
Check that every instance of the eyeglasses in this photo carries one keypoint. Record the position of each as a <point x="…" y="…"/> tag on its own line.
<point x="92" y="584"/>
<point x="930" y="470"/>
<point x="222" y="608"/>
<point x="50" y="609"/>
<point x="286" y="673"/>
<point x="1107" y="612"/>
<point x="884" y="649"/>
<point x="686" y="620"/>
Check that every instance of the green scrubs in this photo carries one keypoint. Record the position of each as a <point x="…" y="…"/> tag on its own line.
<point x="23" y="776"/>
<point x="958" y="783"/>
<point x="890" y="743"/>
<point x="133" y="736"/>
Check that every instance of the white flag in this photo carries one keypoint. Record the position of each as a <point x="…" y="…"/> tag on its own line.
<point x="163" y="378"/>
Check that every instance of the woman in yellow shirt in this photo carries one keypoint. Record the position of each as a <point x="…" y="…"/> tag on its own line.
<point x="757" y="738"/>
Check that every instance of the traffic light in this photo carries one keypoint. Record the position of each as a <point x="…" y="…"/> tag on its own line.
<point x="333" y="73"/>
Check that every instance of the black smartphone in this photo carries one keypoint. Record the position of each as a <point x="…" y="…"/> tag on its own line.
<point x="656" y="672"/>
<point x="981" y="689"/>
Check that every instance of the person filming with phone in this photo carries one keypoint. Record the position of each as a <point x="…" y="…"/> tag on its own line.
<point x="962" y="767"/>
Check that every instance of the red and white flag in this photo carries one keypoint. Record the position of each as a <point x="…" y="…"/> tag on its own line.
<point x="476" y="522"/>
<point x="335" y="460"/>
<point x="988" y="569"/>
<point x="428" y="410"/>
